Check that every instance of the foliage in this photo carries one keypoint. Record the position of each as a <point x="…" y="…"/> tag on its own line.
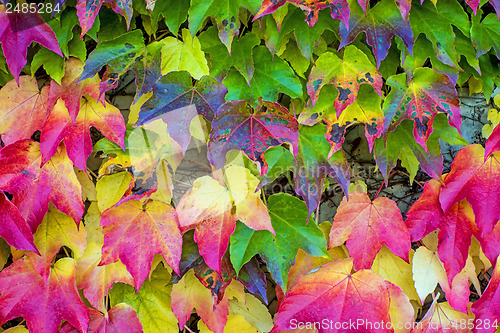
<point x="200" y="206"/>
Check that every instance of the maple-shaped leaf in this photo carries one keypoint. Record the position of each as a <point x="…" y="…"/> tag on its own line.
<point x="427" y="94"/>
<point x="106" y="118"/>
<point x="22" y="101"/>
<point x="339" y="9"/>
<point x="177" y="102"/>
<point x="380" y="24"/>
<point x="71" y="90"/>
<point x="455" y="227"/>
<point x="493" y="142"/>
<point x="18" y="30"/>
<point x="87" y="11"/>
<point x="441" y="317"/>
<point x="225" y="13"/>
<point x="346" y="75"/>
<point x="13" y="227"/>
<point x="188" y="294"/>
<point x="486" y="308"/>
<point x="42" y="303"/>
<point x="378" y="221"/>
<point x="238" y="126"/>
<point x="134" y="232"/>
<point x="151" y="302"/>
<point x="120" y="318"/>
<point x="33" y="186"/>
<point x="490" y="244"/>
<point x="314" y="164"/>
<point x="362" y="296"/>
<point x="477" y="180"/>
<point x="212" y="210"/>
<point x="96" y="280"/>
<point x="289" y="219"/>
<point x="121" y="54"/>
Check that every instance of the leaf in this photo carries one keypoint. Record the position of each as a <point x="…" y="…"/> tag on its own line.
<point x="456" y="227"/>
<point x="121" y="54"/>
<point x="485" y="34"/>
<point x="253" y="311"/>
<point x="314" y="164"/>
<point x="493" y="142"/>
<point x="57" y="230"/>
<point x="427" y="94"/>
<point x="238" y="126"/>
<point x="33" y="187"/>
<point x="120" y="318"/>
<point x="349" y="298"/>
<point x="18" y="31"/>
<point x="175" y="13"/>
<point x="485" y="308"/>
<point x="271" y="77"/>
<point x="279" y="160"/>
<point x="339" y="9"/>
<point x="111" y="188"/>
<point x="52" y="63"/>
<point x="401" y="310"/>
<point x="288" y="217"/>
<point x="188" y="294"/>
<point x="365" y="225"/>
<point x="346" y="75"/>
<point x="177" y="101"/>
<point x="254" y="279"/>
<point x="474" y="179"/>
<point x="225" y="13"/>
<point x="23" y="101"/>
<point x="436" y="22"/>
<point x="42" y="303"/>
<point x="221" y="61"/>
<point x="13" y="227"/>
<point x="183" y="56"/>
<point x="151" y="302"/>
<point x="97" y="280"/>
<point x="380" y="24"/>
<point x="87" y="11"/>
<point x="440" y="317"/>
<point x="212" y="210"/>
<point x="134" y="232"/>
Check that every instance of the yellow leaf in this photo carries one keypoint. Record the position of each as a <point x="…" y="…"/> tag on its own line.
<point x="88" y="187"/>
<point x="92" y="224"/>
<point x="111" y="188"/>
<point x="17" y="329"/>
<point x="254" y="312"/>
<point x="235" y="323"/>
<point x="428" y="271"/>
<point x="133" y="116"/>
<point x="475" y="86"/>
<point x="358" y="186"/>
<point x="496" y="100"/>
<point x="198" y="128"/>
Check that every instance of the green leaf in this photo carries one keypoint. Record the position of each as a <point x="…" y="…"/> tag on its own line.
<point x="289" y="219"/>
<point x="151" y="302"/>
<point x="51" y="62"/>
<point x="279" y="160"/>
<point x="174" y="11"/>
<point x="186" y="55"/>
<point x="485" y="35"/>
<point x="110" y="26"/>
<point x="291" y="53"/>
<point x="221" y="61"/>
<point x="271" y="76"/>
<point x="63" y="28"/>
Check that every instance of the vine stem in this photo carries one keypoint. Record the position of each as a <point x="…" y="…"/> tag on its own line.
<point x="187" y="328"/>
<point x="263" y="196"/>
<point x="380" y="188"/>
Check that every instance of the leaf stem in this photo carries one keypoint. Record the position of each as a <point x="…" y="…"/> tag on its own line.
<point x="263" y="196"/>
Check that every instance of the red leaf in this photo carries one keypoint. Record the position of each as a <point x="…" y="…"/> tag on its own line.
<point x="487" y="307"/>
<point x="120" y="319"/>
<point x="43" y="304"/>
<point x="134" y="232"/>
<point x="87" y="11"/>
<point x="13" y="227"/>
<point x="34" y="186"/>
<point x="18" y="31"/>
<point x="366" y="225"/>
<point x="334" y="295"/>
<point x="24" y="102"/>
<point x="493" y="142"/>
<point x="477" y="180"/>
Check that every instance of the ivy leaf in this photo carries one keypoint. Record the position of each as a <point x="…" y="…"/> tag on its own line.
<point x="18" y="31"/>
<point x="13" y="227"/>
<point x="339" y="9"/>
<point x="493" y="142"/>
<point x="475" y="179"/>
<point x="455" y="228"/>
<point x="175" y="13"/>
<point x="289" y="219"/>
<point x="225" y="13"/>
<point x="177" y="102"/>
<point x="346" y="75"/>
<point x="221" y="61"/>
<point x="314" y="164"/>
<point x="238" y="126"/>
<point x="380" y="24"/>
<point x="379" y="221"/>
<point x="271" y="77"/>
<point x="151" y="227"/>
<point x="485" y="308"/>
<point x="42" y="303"/>
<point x="427" y="94"/>
<point x="33" y="186"/>
<point x="87" y="11"/>
<point x="350" y="297"/>
<point x="279" y="160"/>
<point x="120" y="318"/>
<point x="485" y="34"/>
<point x="22" y="101"/>
<point x="96" y="280"/>
<point x="440" y="317"/>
